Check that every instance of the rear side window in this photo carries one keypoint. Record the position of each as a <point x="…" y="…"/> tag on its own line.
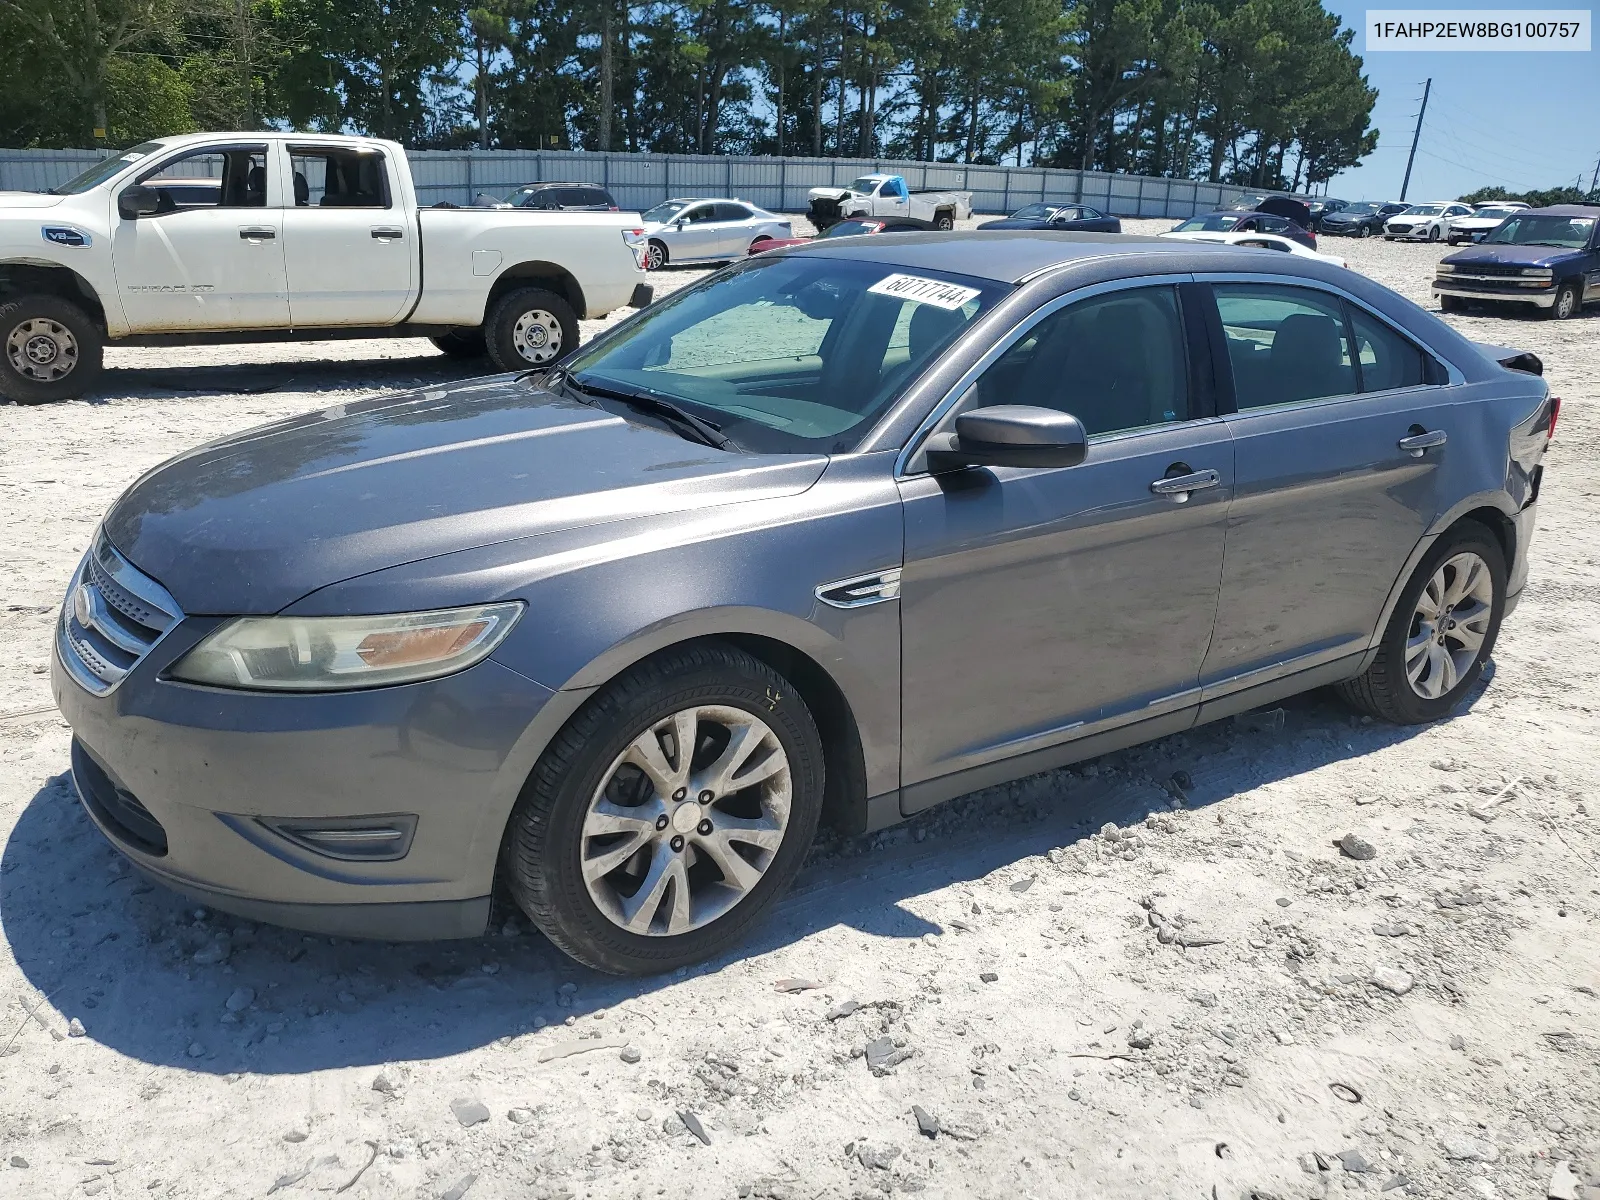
<point x="1115" y="362"/>
<point x="338" y="178"/>
<point x="1388" y="360"/>
<point x="594" y="198"/>
<point x="1285" y="344"/>
<point x="732" y="212"/>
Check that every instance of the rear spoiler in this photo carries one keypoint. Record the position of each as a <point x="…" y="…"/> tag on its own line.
<point x="1525" y="361"/>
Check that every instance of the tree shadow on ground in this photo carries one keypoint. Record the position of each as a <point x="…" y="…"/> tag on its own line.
<point x="108" y="947"/>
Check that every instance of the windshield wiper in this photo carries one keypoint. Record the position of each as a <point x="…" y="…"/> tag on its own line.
<point x="697" y="429"/>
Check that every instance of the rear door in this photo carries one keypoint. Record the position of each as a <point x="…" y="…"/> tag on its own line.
<point x="351" y="250"/>
<point x="1340" y="464"/>
<point x="734" y="233"/>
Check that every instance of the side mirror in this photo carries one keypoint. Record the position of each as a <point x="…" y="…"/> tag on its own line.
<point x="678" y="223"/>
<point x="138" y="201"/>
<point x="1010" y="435"/>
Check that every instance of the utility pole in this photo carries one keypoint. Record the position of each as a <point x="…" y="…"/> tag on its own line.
<point x="1410" y="158"/>
<point x="1594" y="180"/>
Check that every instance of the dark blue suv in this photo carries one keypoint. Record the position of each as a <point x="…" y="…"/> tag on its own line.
<point x="1547" y="257"/>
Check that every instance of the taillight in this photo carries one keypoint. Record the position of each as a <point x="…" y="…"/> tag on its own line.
<point x="1555" y="411"/>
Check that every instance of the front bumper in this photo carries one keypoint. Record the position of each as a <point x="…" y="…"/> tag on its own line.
<point x="184" y="780"/>
<point x="1543" y="298"/>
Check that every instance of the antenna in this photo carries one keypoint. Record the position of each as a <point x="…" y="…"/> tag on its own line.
<point x="1412" y="157"/>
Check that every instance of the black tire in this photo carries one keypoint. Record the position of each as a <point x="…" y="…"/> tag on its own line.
<point x="500" y="330"/>
<point x="42" y="324"/>
<point x="543" y="843"/>
<point x="656" y="255"/>
<point x="1433" y="233"/>
<point x="1452" y="304"/>
<point x="1452" y="241"/>
<point x="464" y="343"/>
<point x="1569" y="303"/>
<point x="1363" y="231"/>
<point x="944" y="221"/>
<point x="1384" y="690"/>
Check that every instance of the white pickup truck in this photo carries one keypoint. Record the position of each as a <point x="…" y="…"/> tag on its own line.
<point x="887" y="196"/>
<point x="289" y="236"/>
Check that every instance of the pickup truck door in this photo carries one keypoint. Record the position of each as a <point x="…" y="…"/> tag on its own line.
<point x="351" y="250"/>
<point x="1591" y="267"/>
<point x="207" y="266"/>
<point x="894" y="199"/>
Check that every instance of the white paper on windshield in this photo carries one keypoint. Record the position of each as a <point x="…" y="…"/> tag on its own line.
<point x="925" y="291"/>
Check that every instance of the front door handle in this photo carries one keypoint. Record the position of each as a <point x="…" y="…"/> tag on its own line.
<point x="255" y="233"/>
<point x="1425" y="439"/>
<point x="385" y="233"/>
<point x="1178" y="487"/>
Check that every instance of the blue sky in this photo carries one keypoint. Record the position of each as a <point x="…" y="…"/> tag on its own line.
<point x="1518" y="120"/>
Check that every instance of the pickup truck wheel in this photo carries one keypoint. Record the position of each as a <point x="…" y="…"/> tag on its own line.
<point x="462" y="344"/>
<point x="1441" y="633"/>
<point x="944" y="221"/>
<point x="50" y="349"/>
<point x="530" y="327"/>
<point x="669" y="814"/>
<point x="1567" y="304"/>
<point x="655" y="256"/>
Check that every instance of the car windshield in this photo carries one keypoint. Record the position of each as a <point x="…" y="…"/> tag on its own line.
<point x="1211" y="221"/>
<point x="865" y="184"/>
<point x="792" y="354"/>
<point x="851" y="228"/>
<point x="1423" y="210"/>
<point x="1537" y="229"/>
<point x="1034" y="212"/>
<point x="1364" y="209"/>
<point x="666" y="210"/>
<point x="102" y="171"/>
<point x="1496" y="213"/>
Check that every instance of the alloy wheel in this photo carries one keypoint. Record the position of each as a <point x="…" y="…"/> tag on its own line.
<point x="1449" y="625"/>
<point x="42" y="350"/>
<point x="687" y="821"/>
<point x="654" y="257"/>
<point x="537" y="336"/>
<point x="1566" y="303"/>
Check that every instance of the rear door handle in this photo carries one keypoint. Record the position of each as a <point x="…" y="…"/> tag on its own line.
<point x="1416" y="443"/>
<point x="386" y="232"/>
<point x="253" y="233"/>
<point x="1178" y="487"/>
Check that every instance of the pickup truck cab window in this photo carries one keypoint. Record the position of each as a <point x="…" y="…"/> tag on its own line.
<point x="231" y="177"/>
<point x="325" y="177"/>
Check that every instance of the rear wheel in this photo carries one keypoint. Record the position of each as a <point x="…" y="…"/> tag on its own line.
<point x="1441" y="633"/>
<point x="669" y="814"/>
<point x="1567" y="304"/>
<point x="530" y="327"/>
<point x="465" y="343"/>
<point x="50" y="349"/>
<point x="944" y="220"/>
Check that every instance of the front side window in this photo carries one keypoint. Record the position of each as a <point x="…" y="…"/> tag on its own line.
<point x="330" y="178"/>
<point x="790" y="354"/>
<point x="232" y="178"/>
<point x="1211" y="223"/>
<point x="1285" y="344"/>
<point x="699" y="213"/>
<point x="1116" y="362"/>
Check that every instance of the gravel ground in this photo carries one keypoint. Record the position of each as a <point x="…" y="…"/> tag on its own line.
<point x="1153" y="975"/>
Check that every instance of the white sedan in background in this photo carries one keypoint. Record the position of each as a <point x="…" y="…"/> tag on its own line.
<point x="1425" y="222"/>
<point x="698" y="230"/>
<point x="1482" y="219"/>
<point x="1263" y="241"/>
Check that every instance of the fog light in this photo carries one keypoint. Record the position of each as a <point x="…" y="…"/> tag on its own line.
<point x="350" y="839"/>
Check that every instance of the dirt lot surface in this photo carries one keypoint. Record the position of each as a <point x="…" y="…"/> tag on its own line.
<point x="1150" y="976"/>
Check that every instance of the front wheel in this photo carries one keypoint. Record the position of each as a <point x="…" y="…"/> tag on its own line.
<point x="530" y="327"/>
<point x="1567" y="303"/>
<point x="1433" y="233"/>
<point x="50" y="349"/>
<point x="675" y="807"/>
<point x="1363" y="232"/>
<point x="462" y="343"/>
<point x="1452" y="304"/>
<point x="1441" y="633"/>
<point x="655" y="256"/>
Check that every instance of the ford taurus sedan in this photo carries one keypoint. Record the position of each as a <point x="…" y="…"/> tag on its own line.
<point x="698" y="231"/>
<point x="842" y="531"/>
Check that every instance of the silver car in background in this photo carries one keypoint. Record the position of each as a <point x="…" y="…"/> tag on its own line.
<point x="700" y="230"/>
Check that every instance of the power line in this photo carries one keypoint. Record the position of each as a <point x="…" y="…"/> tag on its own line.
<point x="1509" y="159"/>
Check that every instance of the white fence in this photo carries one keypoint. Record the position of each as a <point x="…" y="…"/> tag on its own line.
<point x="780" y="184"/>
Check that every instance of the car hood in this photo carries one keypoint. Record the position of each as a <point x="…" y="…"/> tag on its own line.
<point x="29" y="200"/>
<point x="1515" y="256"/>
<point x="251" y="523"/>
<point x="832" y="193"/>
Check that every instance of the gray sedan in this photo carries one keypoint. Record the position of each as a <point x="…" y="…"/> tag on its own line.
<point x="697" y="231"/>
<point x="839" y="533"/>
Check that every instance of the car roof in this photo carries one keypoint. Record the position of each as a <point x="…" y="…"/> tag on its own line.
<point x="1567" y="210"/>
<point x="550" y="183"/>
<point x="1014" y="255"/>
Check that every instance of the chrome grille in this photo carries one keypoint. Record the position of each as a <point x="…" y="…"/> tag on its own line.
<point x="113" y="615"/>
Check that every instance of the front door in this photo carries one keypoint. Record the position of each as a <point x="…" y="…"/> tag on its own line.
<point x="348" y="246"/>
<point x="1328" y="502"/>
<point x="1038" y="605"/>
<point x="205" y="266"/>
<point x="700" y="236"/>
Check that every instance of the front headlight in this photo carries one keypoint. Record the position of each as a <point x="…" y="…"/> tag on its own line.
<point x="319" y="654"/>
<point x="1445" y="269"/>
<point x="1544" y="273"/>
